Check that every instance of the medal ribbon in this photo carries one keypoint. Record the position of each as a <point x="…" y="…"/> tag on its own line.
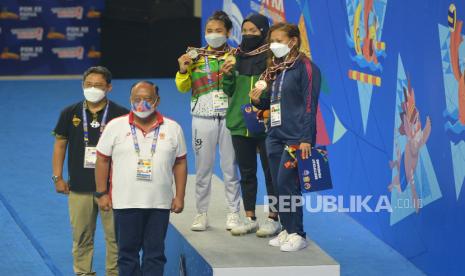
<point x="215" y="53"/>
<point x="259" y="50"/>
<point x="271" y="72"/>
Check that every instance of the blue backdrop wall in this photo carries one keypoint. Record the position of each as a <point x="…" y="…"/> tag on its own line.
<point x="393" y="103"/>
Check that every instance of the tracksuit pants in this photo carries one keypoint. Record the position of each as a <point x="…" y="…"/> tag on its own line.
<point x="286" y="183"/>
<point x="207" y="133"/>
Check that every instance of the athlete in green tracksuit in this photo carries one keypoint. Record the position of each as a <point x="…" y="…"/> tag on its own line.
<point x="238" y="80"/>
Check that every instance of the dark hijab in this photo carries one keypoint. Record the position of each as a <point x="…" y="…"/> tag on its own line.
<point x="253" y="65"/>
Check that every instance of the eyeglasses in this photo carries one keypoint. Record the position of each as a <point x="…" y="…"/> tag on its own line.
<point x="150" y="100"/>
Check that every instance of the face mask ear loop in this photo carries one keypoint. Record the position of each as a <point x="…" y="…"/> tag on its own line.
<point x="155" y="103"/>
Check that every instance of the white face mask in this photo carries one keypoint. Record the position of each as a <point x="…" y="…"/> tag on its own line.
<point x="93" y="94"/>
<point x="215" y="40"/>
<point x="143" y="114"/>
<point x="279" y="49"/>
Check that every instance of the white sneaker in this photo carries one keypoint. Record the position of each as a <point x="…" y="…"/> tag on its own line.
<point x="279" y="240"/>
<point x="294" y="242"/>
<point x="269" y="228"/>
<point x="247" y="226"/>
<point x="200" y="222"/>
<point x="232" y="220"/>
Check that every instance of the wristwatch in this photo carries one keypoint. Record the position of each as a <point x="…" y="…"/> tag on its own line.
<point x="100" y="194"/>
<point x="55" y="179"/>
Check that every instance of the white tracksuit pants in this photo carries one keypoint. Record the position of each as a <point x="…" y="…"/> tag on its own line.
<point x="207" y="133"/>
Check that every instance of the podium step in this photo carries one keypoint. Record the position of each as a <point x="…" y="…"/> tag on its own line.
<point x="216" y="252"/>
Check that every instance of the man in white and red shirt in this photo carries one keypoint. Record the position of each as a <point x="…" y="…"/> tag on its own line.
<point x="145" y="150"/>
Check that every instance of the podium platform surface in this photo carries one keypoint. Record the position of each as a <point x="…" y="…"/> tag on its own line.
<point x="248" y="254"/>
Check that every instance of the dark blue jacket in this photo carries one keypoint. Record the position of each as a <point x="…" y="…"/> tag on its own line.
<point x="299" y="102"/>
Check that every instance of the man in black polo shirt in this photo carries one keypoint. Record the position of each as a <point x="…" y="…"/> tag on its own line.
<point x="78" y="129"/>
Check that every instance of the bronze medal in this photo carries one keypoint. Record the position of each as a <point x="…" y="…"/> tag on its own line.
<point x="261" y="85"/>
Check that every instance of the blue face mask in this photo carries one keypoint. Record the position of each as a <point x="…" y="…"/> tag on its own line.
<point x="142" y="109"/>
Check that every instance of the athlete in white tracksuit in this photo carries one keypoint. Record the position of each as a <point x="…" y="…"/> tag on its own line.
<point x="208" y="109"/>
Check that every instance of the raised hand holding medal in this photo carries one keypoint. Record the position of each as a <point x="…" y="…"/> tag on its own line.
<point x="255" y="95"/>
<point x="261" y="85"/>
<point x="193" y="54"/>
<point x="228" y="64"/>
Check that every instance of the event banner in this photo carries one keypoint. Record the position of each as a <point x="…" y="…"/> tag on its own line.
<point x="53" y="37"/>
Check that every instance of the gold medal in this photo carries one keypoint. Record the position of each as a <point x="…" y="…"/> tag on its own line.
<point x="231" y="59"/>
<point x="261" y="85"/>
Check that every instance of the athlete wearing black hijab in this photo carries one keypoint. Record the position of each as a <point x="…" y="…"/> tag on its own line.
<point x="238" y="80"/>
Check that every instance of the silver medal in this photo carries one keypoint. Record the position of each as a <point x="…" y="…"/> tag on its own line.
<point x="193" y="54"/>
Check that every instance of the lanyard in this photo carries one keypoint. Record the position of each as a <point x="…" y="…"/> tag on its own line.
<point x="136" y="143"/>
<point x="209" y="72"/>
<point x="86" y="127"/>
<point x="277" y="96"/>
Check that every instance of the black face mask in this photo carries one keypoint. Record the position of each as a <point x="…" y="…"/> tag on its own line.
<point x="250" y="42"/>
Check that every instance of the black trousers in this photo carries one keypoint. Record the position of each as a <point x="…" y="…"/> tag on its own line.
<point x="138" y="229"/>
<point x="245" y="149"/>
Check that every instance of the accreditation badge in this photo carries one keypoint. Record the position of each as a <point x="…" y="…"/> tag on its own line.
<point x="220" y="100"/>
<point x="144" y="169"/>
<point x="90" y="157"/>
<point x="275" y="110"/>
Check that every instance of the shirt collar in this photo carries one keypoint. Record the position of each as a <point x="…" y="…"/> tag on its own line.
<point x="157" y="123"/>
<point x="84" y="103"/>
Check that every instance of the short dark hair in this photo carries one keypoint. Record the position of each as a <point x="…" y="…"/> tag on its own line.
<point x="223" y="17"/>
<point x="98" y="70"/>
<point x="146" y="82"/>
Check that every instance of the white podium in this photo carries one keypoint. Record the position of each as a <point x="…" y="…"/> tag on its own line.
<point x="217" y="252"/>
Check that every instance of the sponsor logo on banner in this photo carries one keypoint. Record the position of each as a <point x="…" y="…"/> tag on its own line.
<point x="26" y="12"/>
<point x="53" y="34"/>
<point x="273" y="9"/>
<point x="6" y="54"/>
<point x="28" y="53"/>
<point x="92" y="13"/>
<point x="69" y="12"/>
<point x="28" y="33"/>
<point x="5" y="14"/>
<point x="73" y="32"/>
<point x="93" y="53"/>
<point x="69" y="52"/>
